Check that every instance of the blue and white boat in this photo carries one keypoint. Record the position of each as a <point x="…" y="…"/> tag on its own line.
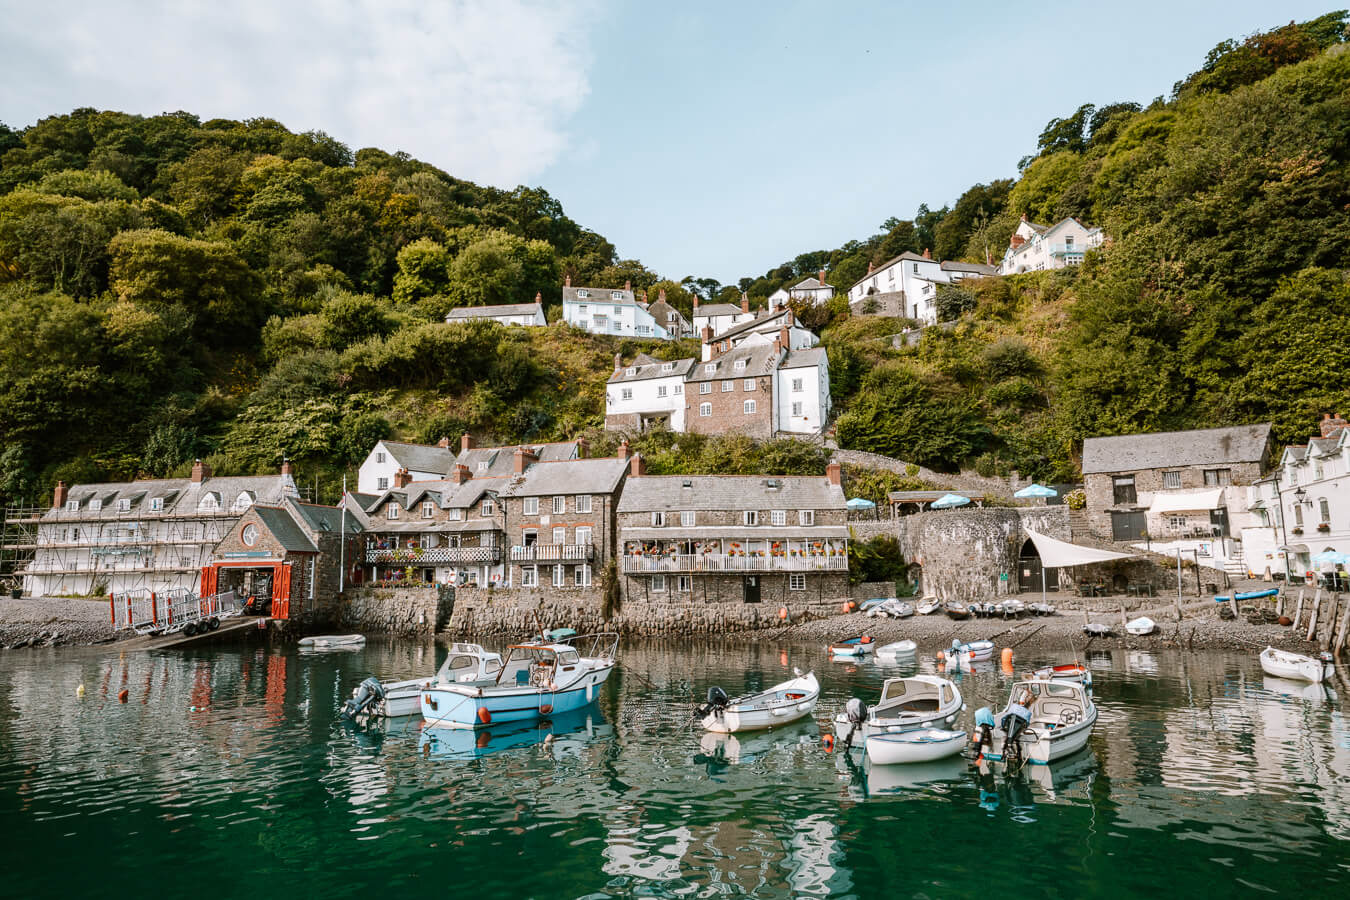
<point x="1062" y="715"/>
<point x="536" y="680"/>
<point x="852" y="647"/>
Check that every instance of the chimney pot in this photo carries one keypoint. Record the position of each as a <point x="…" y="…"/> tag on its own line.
<point x="745" y="302"/>
<point x="444" y="443"/>
<point x="201" y="471"/>
<point x="402" y="478"/>
<point x="567" y="281"/>
<point x="59" y="496"/>
<point x="623" y="449"/>
<point x="821" y="277"/>
<point x="661" y="295"/>
<point x="285" y="468"/>
<point x="538" y="296"/>
<point x="524" y="457"/>
<point x="460" y="474"/>
<point x="1333" y="424"/>
<point x="696" y="302"/>
<point x="834" y="473"/>
<point x="637" y="467"/>
<point x="927" y="253"/>
<point x="465" y="442"/>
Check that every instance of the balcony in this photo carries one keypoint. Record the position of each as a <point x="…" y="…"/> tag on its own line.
<point x="1070" y="250"/>
<point x="553" y="553"/>
<point x="716" y="562"/>
<point x="434" y="556"/>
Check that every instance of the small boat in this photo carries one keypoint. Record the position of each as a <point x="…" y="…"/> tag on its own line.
<point x="466" y="664"/>
<point x="333" y="641"/>
<point x="928" y="606"/>
<point x="1013" y="608"/>
<point x="537" y="679"/>
<point x="902" y="610"/>
<point x="1061" y="717"/>
<point x="956" y="611"/>
<point x="888" y="748"/>
<point x="906" y="704"/>
<point x="972" y="651"/>
<point x="1097" y="629"/>
<point x="1141" y="626"/>
<point x="1283" y="664"/>
<point x="1065" y="672"/>
<point x="897" y="650"/>
<point x="888" y="608"/>
<point x="1041" y="609"/>
<point x="984" y="610"/>
<point x="855" y="646"/>
<point x="779" y="705"/>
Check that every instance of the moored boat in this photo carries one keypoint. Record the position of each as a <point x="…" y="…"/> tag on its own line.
<point x="928" y="606"/>
<point x="956" y="610"/>
<point x="1141" y="626"/>
<point x="861" y="645"/>
<point x="1065" y="672"/>
<point x="779" y="705"/>
<point x="919" y="701"/>
<point x="466" y="664"/>
<point x="1048" y="719"/>
<point x="971" y="651"/>
<point x="888" y="748"/>
<point x="333" y="641"/>
<point x="1097" y="629"/>
<point x="1283" y="664"/>
<point x="897" y="650"/>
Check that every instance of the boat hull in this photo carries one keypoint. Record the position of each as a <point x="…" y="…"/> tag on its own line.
<point x="1046" y="746"/>
<point x="444" y="706"/>
<point x="925" y="745"/>
<point x="731" y="721"/>
<point x="1292" y="665"/>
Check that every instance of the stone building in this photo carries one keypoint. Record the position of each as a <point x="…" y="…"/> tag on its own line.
<point x="1176" y="485"/>
<point x="733" y="539"/>
<point x="674" y="321"/>
<point x="720" y="317"/>
<point x="647" y="393"/>
<point x="391" y="460"/>
<point x="734" y="393"/>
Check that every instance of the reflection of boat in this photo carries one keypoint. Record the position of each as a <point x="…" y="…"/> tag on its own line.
<point x="466" y="664"/>
<point x="780" y="704"/>
<point x="333" y="642"/>
<point x="889" y="748"/>
<point x="1283" y="664"/>
<point x="1052" y="719"/>
<point x="920" y="701"/>
<point x="536" y="680"/>
<point x="1316" y="692"/>
<point x="854" y="646"/>
<point x="1064" y="774"/>
<point x="897" y="650"/>
<point x="562" y="734"/>
<point x="748" y="747"/>
<point x="899" y="779"/>
<point x="1141" y="626"/>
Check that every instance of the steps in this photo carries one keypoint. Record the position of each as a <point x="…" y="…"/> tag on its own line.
<point x="1236" y="565"/>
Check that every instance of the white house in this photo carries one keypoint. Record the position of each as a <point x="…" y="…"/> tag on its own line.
<point x="802" y="392"/>
<point x="720" y="317"/>
<point x="529" y="314"/>
<point x="420" y="462"/>
<point x="812" y="290"/>
<point x="764" y="328"/>
<point x="647" y="393"/>
<point x="907" y="285"/>
<point x="610" y="311"/>
<point x="1035" y="247"/>
<point x="673" y="320"/>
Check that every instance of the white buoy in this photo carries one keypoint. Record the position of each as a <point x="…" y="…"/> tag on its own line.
<point x="79" y="691"/>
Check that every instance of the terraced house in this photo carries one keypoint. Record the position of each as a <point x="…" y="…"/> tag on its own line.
<point x="733" y="539"/>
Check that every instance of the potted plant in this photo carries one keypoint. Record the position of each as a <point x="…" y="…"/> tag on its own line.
<point x="1296" y="530"/>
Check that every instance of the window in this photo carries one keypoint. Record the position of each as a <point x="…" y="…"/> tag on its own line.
<point x="797" y="384"/>
<point x="379" y="457"/>
<point x="644" y="329"/>
<point x="740" y="365"/>
<point x="1068" y="242"/>
<point x="626" y="394"/>
<point x="668" y="367"/>
<point x="123" y="505"/>
<point x="658" y="582"/>
<point x="1123" y="489"/>
<point x="796" y="582"/>
<point x="583" y="536"/>
<point x="749" y="407"/>
<point x="778" y="517"/>
<point x="482" y="465"/>
<point x="529" y="537"/>
<point x="728" y="386"/>
<point x="750" y="517"/>
<point x="391" y="509"/>
<point x="531" y="506"/>
<point x="529" y="576"/>
<point x="916" y="268"/>
<point x="559" y="505"/>
<point x="710" y="368"/>
<point x="705" y="387"/>
<point x="426" y="541"/>
<point x="582" y="292"/>
<point x="428" y="509"/>
<point x="658" y="519"/>
<point x="748" y="384"/>
<point x="560" y="535"/>
<point x="559" y="576"/>
<point x="454" y="515"/>
<point x="1298" y="513"/>
<point x="618" y="310"/>
<point x="705" y="410"/>
<point x="806" y="517"/>
<point x="1217" y="477"/>
<point x="679" y="389"/>
<point x="487" y="509"/>
<point x="582" y="575"/>
<point x="583" y="502"/>
<point x="1176" y="523"/>
<point x="1325" y="509"/>
<point x="1171" y="479"/>
<point x="684" y="584"/>
<point x="687" y="518"/>
<point x="616" y="295"/>
<point x="797" y="408"/>
<point x="660" y="390"/>
<point x="382" y="484"/>
<point x="156" y="504"/>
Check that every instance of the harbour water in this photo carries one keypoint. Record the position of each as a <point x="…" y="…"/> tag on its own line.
<point x="229" y="773"/>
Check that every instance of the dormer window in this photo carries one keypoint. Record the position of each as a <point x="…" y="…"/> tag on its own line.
<point x="72" y="506"/>
<point x="616" y="295"/>
<point x="243" y="501"/>
<point x="740" y="365"/>
<point x="631" y="370"/>
<point x="124" y="506"/>
<point x="208" y="502"/>
<point x="156" y="504"/>
<point x="582" y="292"/>
<point x="667" y="367"/>
<point x="391" y="510"/>
<point x="428" y="509"/>
<point x="96" y="504"/>
<point x="710" y="368"/>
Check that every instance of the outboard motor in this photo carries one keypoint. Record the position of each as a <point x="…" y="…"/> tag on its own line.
<point x="367" y="694"/>
<point x="984" y="730"/>
<point x="717" y="701"/>
<point x="856" y="713"/>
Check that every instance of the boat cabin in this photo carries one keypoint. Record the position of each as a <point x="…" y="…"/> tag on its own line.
<point x="468" y="662"/>
<point x="906" y="695"/>
<point x="539" y="665"/>
<point x="1056" y="702"/>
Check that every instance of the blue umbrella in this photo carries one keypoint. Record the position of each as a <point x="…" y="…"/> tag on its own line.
<point x="947" y="501"/>
<point x="1332" y="556"/>
<point x="860" y="503"/>
<point x="1036" y="490"/>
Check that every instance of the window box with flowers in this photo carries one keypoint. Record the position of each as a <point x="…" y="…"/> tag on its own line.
<point x="1296" y="530"/>
<point x="1324" y="526"/>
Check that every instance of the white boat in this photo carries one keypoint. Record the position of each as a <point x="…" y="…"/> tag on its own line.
<point x="1065" y="672"/>
<point x="536" y="680"/>
<point x="1283" y="664"/>
<point x="971" y="651"/>
<point x="897" y="650"/>
<point x="928" y="606"/>
<point x="466" y="664"/>
<point x="888" y="748"/>
<point x="906" y="704"/>
<point x="1012" y="608"/>
<point x="779" y="705"/>
<point x="1141" y="626"/>
<point x="854" y="646"/>
<point x="333" y="641"/>
<point x="1062" y="717"/>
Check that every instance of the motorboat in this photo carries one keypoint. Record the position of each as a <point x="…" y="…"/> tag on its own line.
<point x="333" y="642"/>
<point x="928" y="606"/>
<point x="888" y="748"/>
<point x="1097" y="629"/>
<point x="971" y="651"/>
<point x="466" y="664"/>
<point x="1041" y="609"/>
<point x="1013" y="608"/>
<point x="889" y="608"/>
<point x="897" y="650"/>
<point x="855" y="646"/>
<point x="1057" y="714"/>
<point x="537" y="679"/>
<point x="779" y="705"/>
<point x="1065" y="672"/>
<point x="1283" y="664"/>
<point x="1141" y="626"/>
<point x="957" y="611"/>
<point x="906" y="704"/>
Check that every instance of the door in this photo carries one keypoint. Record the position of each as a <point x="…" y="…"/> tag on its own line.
<point x="1218" y="519"/>
<point x="281" y="592"/>
<point x="1129" y="526"/>
<point x="209" y="581"/>
<point x="751" y="588"/>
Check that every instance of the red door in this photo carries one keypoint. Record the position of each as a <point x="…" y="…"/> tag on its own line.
<point x="210" y="578"/>
<point x="281" y="591"/>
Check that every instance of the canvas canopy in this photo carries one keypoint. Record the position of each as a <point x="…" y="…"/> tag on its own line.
<point x="1165" y="502"/>
<point x="1057" y="554"/>
<point x="1036" y="490"/>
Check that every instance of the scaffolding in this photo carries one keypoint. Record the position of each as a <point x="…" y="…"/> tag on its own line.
<point x="18" y="543"/>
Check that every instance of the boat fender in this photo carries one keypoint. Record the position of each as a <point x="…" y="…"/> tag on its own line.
<point x="828" y="741"/>
<point x="484" y="715"/>
<point x="544" y="710"/>
<point x="1007" y="657"/>
<point x="431" y="701"/>
<point x="941" y="656"/>
<point x="122" y="696"/>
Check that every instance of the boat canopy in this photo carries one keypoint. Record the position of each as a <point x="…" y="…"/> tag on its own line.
<point x="1057" y="554"/>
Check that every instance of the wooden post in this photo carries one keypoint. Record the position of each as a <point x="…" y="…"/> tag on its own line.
<point x="1312" y="619"/>
<point x="1345" y="626"/>
<point x="1332" y="621"/>
<point x="1123" y="618"/>
<point x="1298" y="613"/>
<point x="1279" y="604"/>
<point x="1179" y="613"/>
<point x="1232" y="604"/>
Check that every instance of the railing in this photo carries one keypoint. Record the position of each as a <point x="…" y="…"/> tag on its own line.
<point x="1066" y="250"/>
<point x="435" y="555"/>
<point x="693" y="562"/>
<point x="553" y="553"/>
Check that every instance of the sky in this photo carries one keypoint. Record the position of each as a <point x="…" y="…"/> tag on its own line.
<point x="715" y="139"/>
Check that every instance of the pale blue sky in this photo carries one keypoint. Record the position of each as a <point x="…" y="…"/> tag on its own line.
<point x="704" y="138"/>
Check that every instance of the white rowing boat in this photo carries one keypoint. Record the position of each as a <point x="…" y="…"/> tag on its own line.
<point x="333" y="641"/>
<point x="1283" y="664"/>
<point x="924" y="745"/>
<point x="897" y="650"/>
<point x="779" y="705"/>
<point x="1141" y="626"/>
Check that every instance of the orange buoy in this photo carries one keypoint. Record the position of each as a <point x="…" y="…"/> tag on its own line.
<point x="782" y="658"/>
<point x="846" y="606"/>
<point x="828" y="741"/>
<point x="941" y="656"/>
<point x="122" y="696"/>
<point x="1007" y="658"/>
<point x="782" y="612"/>
<point x="852" y="604"/>
<point x="484" y="716"/>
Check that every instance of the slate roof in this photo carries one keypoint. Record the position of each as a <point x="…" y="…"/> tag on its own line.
<point x="717" y="309"/>
<point x="907" y="255"/>
<point x="501" y="460"/>
<point x="759" y="360"/>
<point x="804" y="359"/>
<point x="421" y="457"/>
<point x="483" y="312"/>
<point x="661" y="310"/>
<point x="974" y="268"/>
<point x="285" y="529"/>
<point x="737" y="492"/>
<point x="1211" y="446"/>
<point x="180" y="495"/>
<point x="648" y="368"/>
<point x="326" y="518"/>
<point x="807" y="284"/>
<point x="755" y="324"/>
<point x="598" y="295"/>
<point x="575" y="476"/>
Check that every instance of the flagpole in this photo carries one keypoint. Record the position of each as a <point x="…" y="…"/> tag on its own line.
<point x="342" y="539"/>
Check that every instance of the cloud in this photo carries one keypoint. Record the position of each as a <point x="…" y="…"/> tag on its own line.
<point x="481" y="88"/>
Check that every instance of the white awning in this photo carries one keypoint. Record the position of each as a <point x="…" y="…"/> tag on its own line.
<point x="1192" y="501"/>
<point x="1057" y="554"/>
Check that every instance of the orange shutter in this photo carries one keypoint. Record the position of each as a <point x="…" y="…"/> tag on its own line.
<point x="210" y="578"/>
<point x="281" y="592"/>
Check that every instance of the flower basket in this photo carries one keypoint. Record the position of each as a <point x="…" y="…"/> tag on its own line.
<point x="1296" y="530"/>
<point x="1325" y="526"/>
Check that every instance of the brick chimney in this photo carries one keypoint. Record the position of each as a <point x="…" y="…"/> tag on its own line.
<point x="745" y="302"/>
<point x="871" y="267"/>
<point x="624" y="452"/>
<point x="618" y="361"/>
<point x="790" y="319"/>
<point x="524" y="458"/>
<point x="627" y="285"/>
<point x="200" y="472"/>
<point x="538" y="296"/>
<point x="465" y="442"/>
<point x="460" y="474"/>
<point x="443" y="443"/>
<point x="696" y="303"/>
<point x="637" y="466"/>
<point x="821" y="277"/>
<point x="583" y="449"/>
<point x="784" y="337"/>
<point x="285" y="468"/>
<point x="402" y="479"/>
<point x="1333" y="424"/>
<point x="834" y="473"/>
<point x="661" y="296"/>
<point x="1024" y="217"/>
<point x="59" y="496"/>
<point x="707" y="334"/>
<point x="927" y="254"/>
<point x="1017" y="240"/>
<point x="567" y="281"/>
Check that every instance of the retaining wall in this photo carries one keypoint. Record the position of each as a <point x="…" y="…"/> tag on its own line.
<point x="404" y="611"/>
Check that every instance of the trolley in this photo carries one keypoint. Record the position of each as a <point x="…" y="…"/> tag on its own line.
<point x="168" y="612"/>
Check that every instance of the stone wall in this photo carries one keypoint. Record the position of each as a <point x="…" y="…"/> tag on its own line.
<point x="869" y="590"/>
<point x="965" y="480"/>
<point x="1100" y="490"/>
<point x="887" y="303"/>
<point x="402" y="611"/>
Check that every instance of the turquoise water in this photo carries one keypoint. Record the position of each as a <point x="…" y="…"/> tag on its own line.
<point x="228" y="773"/>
